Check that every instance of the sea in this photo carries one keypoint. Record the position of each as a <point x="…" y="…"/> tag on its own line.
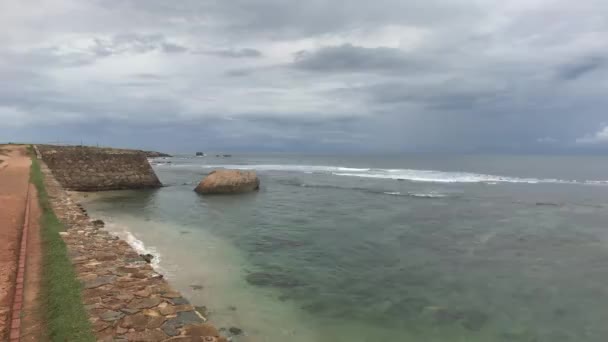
<point x="438" y="248"/>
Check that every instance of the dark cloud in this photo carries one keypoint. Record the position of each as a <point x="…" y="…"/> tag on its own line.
<point x="173" y="48"/>
<point x="292" y="19"/>
<point x="349" y="58"/>
<point x="148" y="76"/>
<point x="446" y="95"/>
<point x="582" y="67"/>
<point x="237" y="53"/>
<point x="53" y="56"/>
<point x="238" y="72"/>
<point x="135" y="43"/>
<point x="71" y="55"/>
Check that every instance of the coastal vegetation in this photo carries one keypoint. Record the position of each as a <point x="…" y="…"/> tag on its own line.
<point x="64" y="313"/>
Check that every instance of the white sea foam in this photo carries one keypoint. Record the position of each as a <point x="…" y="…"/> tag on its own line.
<point x="287" y="167"/>
<point x="597" y="182"/>
<point x="433" y="176"/>
<point x="442" y="177"/>
<point x="428" y="195"/>
<point x="431" y="194"/>
<point x="413" y="175"/>
<point x="137" y="245"/>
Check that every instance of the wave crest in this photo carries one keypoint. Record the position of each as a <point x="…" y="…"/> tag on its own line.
<point x="413" y="175"/>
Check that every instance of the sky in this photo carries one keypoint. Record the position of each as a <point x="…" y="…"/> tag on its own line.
<point x="358" y="76"/>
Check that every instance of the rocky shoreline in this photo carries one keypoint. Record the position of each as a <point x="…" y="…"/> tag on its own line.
<point x="126" y="300"/>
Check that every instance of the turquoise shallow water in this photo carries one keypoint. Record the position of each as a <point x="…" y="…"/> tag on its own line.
<point x="475" y="248"/>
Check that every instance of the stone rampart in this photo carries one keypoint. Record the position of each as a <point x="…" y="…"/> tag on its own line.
<point x="82" y="168"/>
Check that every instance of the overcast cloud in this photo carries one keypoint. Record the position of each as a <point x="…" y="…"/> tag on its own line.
<point x="315" y="76"/>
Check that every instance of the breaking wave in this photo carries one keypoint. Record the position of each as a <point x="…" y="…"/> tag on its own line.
<point x="428" y="195"/>
<point x="290" y="168"/>
<point x="135" y="243"/>
<point x="431" y="176"/>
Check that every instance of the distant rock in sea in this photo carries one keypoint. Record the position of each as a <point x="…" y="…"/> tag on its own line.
<point x="154" y="154"/>
<point x="228" y="182"/>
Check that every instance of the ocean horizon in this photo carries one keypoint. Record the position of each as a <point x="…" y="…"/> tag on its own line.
<point x="378" y="248"/>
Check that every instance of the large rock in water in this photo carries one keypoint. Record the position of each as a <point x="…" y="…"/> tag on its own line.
<point x="228" y="182"/>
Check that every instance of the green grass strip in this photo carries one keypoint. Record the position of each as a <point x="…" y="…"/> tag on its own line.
<point x="61" y="293"/>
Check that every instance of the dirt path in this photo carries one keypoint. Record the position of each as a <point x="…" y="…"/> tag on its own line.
<point x="14" y="183"/>
<point x="32" y="329"/>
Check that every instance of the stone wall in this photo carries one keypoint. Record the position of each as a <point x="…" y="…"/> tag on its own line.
<point x="84" y="168"/>
<point x="125" y="298"/>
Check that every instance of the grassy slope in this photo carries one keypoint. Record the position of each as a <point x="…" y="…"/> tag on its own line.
<point x="65" y="316"/>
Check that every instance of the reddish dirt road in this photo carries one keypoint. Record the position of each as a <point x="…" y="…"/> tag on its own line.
<point x="14" y="183"/>
<point x="32" y="324"/>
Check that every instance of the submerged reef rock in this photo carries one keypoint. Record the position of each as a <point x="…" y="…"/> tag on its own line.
<point x="271" y="279"/>
<point x="471" y="319"/>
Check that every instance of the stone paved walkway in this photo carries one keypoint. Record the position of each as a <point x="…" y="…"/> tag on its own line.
<point x="125" y="298"/>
